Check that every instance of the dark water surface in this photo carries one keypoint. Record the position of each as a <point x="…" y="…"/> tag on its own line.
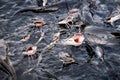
<point x="18" y="26"/>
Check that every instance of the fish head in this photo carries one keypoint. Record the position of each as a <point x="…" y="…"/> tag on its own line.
<point x="30" y="50"/>
<point x="75" y="40"/>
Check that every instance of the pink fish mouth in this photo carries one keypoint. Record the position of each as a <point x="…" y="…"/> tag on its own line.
<point x="30" y="50"/>
<point x="75" y="40"/>
<point x="76" y="37"/>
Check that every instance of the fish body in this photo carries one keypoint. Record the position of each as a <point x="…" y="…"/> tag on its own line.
<point x="7" y="68"/>
<point x="38" y="9"/>
<point x="99" y="35"/>
<point x="72" y="16"/>
<point x="90" y="51"/>
<point x="100" y="53"/>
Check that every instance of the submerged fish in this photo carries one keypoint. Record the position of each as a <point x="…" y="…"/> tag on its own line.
<point x="38" y="9"/>
<point x="99" y="35"/>
<point x="72" y="15"/>
<point x="76" y="40"/>
<point x="5" y="64"/>
<point x="6" y="67"/>
<point x="100" y="53"/>
<point x="66" y="58"/>
<point x="90" y="51"/>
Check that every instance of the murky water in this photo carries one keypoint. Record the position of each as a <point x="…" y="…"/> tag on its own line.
<point x="18" y="26"/>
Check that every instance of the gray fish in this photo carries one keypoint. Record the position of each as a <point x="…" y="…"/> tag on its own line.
<point x="100" y="53"/>
<point x="90" y="51"/>
<point x="5" y="64"/>
<point x="7" y="68"/>
<point x="99" y="35"/>
<point x="66" y="58"/>
<point x="38" y="9"/>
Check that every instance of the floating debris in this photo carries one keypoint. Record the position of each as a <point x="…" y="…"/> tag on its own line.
<point x="30" y="50"/>
<point x="44" y="9"/>
<point x="76" y="40"/>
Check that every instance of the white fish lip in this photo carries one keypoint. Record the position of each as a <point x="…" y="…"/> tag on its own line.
<point x="31" y="52"/>
<point x="71" y="41"/>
